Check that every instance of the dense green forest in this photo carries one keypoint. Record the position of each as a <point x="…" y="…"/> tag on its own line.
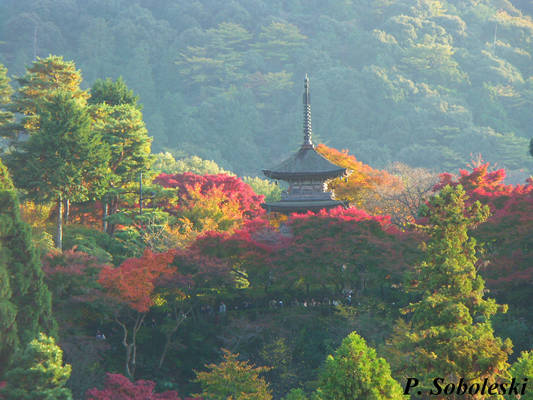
<point x="424" y="82"/>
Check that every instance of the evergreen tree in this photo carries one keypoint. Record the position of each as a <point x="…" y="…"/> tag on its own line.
<point x="523" y="368"/>
<point x="356" y="372"/>
<point x="450" y="333"/>
<point x="44" y="78"/>
<point x="119" y="120"/>
<point x="123" y="129"/>
<point x="5" y="180"/>
<point x="25" y="301"/>
<point x="38" y="373"/>
<point x="8" y="314"/>
<point x="6" y="117"/>
<point x="8" y="311"/>
<point x="66" y="160"/>
<point x="233" y="379"/>
<point x="113" y="93"/>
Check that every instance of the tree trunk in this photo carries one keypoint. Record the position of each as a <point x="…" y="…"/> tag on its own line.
<point x="137" y="326"/>
<point x="104" y="221"/>
<point x="131" y="348"/>
<point x="178" y="318"/>
<point x="67" y="210"/>
<point x="59" y="234"/>
<point x="113" y="208"/>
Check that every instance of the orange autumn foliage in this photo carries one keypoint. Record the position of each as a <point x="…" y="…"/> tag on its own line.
<point x="360" y="187"/>
<point x="133" y="282"/>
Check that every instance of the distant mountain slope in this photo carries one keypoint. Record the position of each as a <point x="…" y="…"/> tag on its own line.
<point x="425" y="82"/>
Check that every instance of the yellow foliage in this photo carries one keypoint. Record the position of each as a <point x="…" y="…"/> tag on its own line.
<point x="37" y="216"/>
<point x="360" y="187"/>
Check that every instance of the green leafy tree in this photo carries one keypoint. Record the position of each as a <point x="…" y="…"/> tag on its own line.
<point x="5" y="181"/>
<point x="295" y="394"/>
<point x="269" y="189"/>
<point x="113" y="93"/>
<point x="43" y="79"/>
<point x="8" y="314"/>
<point x="38" y="373"/>
<point x="523" y="368"/>
<point x="279" y="41"/>
<point x="8" y="310"/>
<point x="219" y="59"/>
<point x="356" y="372"/>
<point x="118" y="119"/>
<point x="123" y="129"/>
<point x="25" y="301"/>
<point x="6" y="117"/>
<point x="233" y="379"/>
<point x="66" y="160"/>
<point x="166" y="163"/>
<point x="450" y="333"/>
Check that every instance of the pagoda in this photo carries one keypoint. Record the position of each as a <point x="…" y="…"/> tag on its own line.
<point x="306" y="172"/>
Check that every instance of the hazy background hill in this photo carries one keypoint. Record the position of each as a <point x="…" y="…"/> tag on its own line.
<point x="425" y="82"/>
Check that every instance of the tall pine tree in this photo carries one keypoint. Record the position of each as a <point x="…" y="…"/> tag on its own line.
<point x="6" y="117"/>
<point x="449" y="333"/>
<point x="25" y="302"/>
<point x="118" y="118"/>
<point x="8" y="310"/>
<point x="65" y="160"/>
<point x="113" y="93"/>
<point x="43" y="79"/>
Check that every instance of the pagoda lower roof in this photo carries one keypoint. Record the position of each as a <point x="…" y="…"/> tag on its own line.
<point x="306" y="163"/>
<point x="301" y="206"/>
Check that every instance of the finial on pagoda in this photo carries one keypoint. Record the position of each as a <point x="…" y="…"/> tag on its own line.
<point x="307" y="115"/>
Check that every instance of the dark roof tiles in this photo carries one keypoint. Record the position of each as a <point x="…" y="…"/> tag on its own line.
<point x="306" y="163"/>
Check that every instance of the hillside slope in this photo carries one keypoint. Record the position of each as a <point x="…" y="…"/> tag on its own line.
<point x="425" y="82"/>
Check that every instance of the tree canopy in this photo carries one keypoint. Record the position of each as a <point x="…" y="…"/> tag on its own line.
<point x="424" y="83"/>
<point x="450" y="331"/>
<point x="356" y="372"/>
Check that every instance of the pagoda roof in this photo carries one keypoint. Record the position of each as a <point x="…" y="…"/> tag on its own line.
<point x="306" y="163"/>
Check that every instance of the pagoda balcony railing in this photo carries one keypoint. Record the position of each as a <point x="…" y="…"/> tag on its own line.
<point x="306" y="196"/>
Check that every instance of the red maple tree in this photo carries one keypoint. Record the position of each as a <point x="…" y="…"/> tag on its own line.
<point x="133" y="282"/>
<point x="118" y="387"/>
<point x="132" y="285"/>
<point x="233" y="188"/>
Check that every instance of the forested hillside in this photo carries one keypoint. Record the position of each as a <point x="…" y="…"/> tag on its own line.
<point x="425" y="82"/>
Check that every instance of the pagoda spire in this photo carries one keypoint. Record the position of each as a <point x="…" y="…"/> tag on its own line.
<point x="306" y="172"/>
<point x="308" y="131"/>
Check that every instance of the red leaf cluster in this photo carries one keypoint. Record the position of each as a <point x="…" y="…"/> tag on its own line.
<point x="341" y="246"/>
<point x="69" y="262"/>
<point x="133" y="282"/>
<point x="198" y="271"/>
<point x="72" y="276"/>
<point x="233" y="188"/>
<point x="328" y="247"/>
<point x="118" y="387"/>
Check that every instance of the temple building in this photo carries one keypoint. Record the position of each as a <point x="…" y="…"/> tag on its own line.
<point x="306" y="172"/>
